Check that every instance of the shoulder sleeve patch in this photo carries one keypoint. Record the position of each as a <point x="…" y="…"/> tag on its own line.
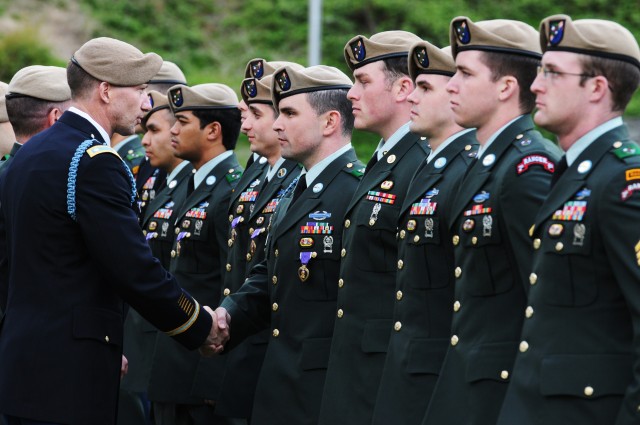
<point x="531" y="160"/>
<point x="96" y="150"/>
<point x="626" y="150"/>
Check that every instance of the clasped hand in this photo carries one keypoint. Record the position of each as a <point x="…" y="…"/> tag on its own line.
<point x="219" y="334"/>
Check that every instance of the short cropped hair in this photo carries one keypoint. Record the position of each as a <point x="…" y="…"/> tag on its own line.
<point x="229" y="120"/>
<point x="333" y="100"/>
<point x="523" y="68"/>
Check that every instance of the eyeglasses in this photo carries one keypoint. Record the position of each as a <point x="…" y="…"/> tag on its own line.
<point x="548" y="73"/>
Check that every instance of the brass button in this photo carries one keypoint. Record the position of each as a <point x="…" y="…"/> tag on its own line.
<point x="588" y="391"/>
<point x="274" y="306"/>
<point x="343" y="252"/>
<point x="230" y="218"/>
<point x="456" y="239"/>
<point x="144" y="232"/>
<point x="340" y="313"/>
<point x="528" y="312"/>
<point x="617" y="144"/>
<point x="455" y="340"/>
<point x="275" y="333"/>
<point x="226" y="292"/>
<point x="248" y="257"/>
<point x="456" y="306"/>
<point x="228" y="267"/>
<point x="416" y="238"/>
<point x="536" y="243"/>
<point x="276" y="252"/>
<point x="274" y="279"/>
<point x="372" y="222"/>
<point x="177" y="230"/>
<point x="403" y="233"/>
<point x="397" y="326"/>
<point x="400" y="264"/>
<point x="106" y="339"/>
<point x="251" y="229"/>
<point x="559" y="246"/>
<point x="474" y="240"/>
<point x="347" y="223"/>
<point x="230" y="243"/>
<point x="524" y="346"/>
<point x="533" y="278"/>
<point x="399" y="295"/>
<point x="458" y="272"/>
<point x="504" y="374"/>
<point x="173" y="253"/>
<point x="340" y="283"/>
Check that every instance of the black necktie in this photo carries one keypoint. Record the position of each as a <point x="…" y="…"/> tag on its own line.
<point x="191" y="185"/>
<point x="373" y="161"/>
<point x="300" y="187"/>
<point x="561" y="167"/>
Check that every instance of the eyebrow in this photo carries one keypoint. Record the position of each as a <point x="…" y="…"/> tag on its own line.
<point x="287" y="109"/>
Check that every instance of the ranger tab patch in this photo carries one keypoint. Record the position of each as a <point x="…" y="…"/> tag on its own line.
<point x="530" y="160"/>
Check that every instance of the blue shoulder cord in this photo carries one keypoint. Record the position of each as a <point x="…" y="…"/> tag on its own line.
<point x="73" y="174"/>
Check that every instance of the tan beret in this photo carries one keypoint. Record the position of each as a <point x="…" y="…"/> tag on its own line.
<point x="158" y="101"/>
<point x="3" y="102"/>
<point x="41" y="82"/>
<point x="288" y="81"/>
<point x="116" y="62"/>
<point x="254" y="90"/>
<point x="425" y="58"/>
<point x="361" y="50"/>
<point x="202" y="96"/>
<point x="497" y="35"/>
<point x="594" y="37"/>
<point x="258" y="68"/>
<point x="169" y="73"/>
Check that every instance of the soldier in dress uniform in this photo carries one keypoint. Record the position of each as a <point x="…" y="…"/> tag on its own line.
<point x="150" y="180"/>
<point x="579" y="357"/>
<point x="369" y="254"/>
<point x="496" y="62"/>
<point x="7" y="136"/>
<point x="424" y="285"/>
<point x="139" y="335"/>
<point x="249" y="218"/>
<point x="36" y="97"/>
<point x="62" y="332"/>
<point x="293" y="291"/>
<point x="182" y="386"/>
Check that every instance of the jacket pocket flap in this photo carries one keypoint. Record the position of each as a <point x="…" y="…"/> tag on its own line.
<point x="98" y="324"/>
<point x="491" y="361"/>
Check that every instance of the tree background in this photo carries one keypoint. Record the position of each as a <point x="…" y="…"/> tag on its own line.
<point x="212" y="40"/>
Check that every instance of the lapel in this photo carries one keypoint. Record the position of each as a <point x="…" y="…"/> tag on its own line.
<point x="257" y="170"/>
<point x="203" y="191"/>
<point x="271" y="189"/>
<point x="572" y="180"/>
<point x="167" y="193"/>
<point x="79" y="123"/>
<point x="383" y="168"/>
<point x="428" y="175"/>
<point x="480" y="173"/>
<point x="309" y="199"/>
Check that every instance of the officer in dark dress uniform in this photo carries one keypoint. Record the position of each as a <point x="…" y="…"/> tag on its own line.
<point x="37" y="96"/>
<point x="183" y="386"/>
<point x="496" y="62"/>
<point x="293" y="292"/>
<point x="579" y="357"/>
<point x="61" y="335"/>
<point x="424" y="285"/>
<point x="248" y="231"/>
<point x="369" y="256"/>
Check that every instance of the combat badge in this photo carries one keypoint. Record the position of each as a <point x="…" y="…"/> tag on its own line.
<point x="328" y="244"/>
<point x="374" y="214"/>
<point x="487" y="224"/>
<point x="579" y="231"/>
<point x="428" y="228"/>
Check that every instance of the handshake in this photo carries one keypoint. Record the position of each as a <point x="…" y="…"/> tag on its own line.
<point x="219" y="334"/>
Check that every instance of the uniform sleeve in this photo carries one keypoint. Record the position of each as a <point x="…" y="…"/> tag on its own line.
<point x="621" y="237"/>
<point x="110" y="228"/>
<point x="249" y="307"/>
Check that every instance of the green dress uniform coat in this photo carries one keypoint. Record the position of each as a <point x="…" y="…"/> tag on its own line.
<point x="424" y="287"/>
<point x="367" y="284"/>
<point x="139" y="335"/>
<point x="197" y="260"/>
<point x="245" y="360"/>
<point x="579" y="359"/>
<point x="5" y="163"/>
<point x="293" y="294"/>
<point x="132" y="153"/>
<point x="492" y="213"/>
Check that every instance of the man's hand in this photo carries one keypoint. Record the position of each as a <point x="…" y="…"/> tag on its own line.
<point x="219" y="333"/>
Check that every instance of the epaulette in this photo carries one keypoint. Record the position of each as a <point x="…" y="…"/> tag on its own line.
<point x="98" y="149"/>
<point x="354" y="170"/>
<point x="626" y="149"/>
<point x="233" y="175"/>
<point x="135" y="154"/>
<point x="523" y="142"/>
<point x="469" y="153"/>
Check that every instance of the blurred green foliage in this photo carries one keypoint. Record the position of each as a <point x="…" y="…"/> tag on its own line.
<point x="23" y="48"/>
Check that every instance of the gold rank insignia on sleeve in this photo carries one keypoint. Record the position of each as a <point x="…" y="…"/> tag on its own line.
<point x="190" y="307"/>
<point x="638" y="252"/>
<point x="96" y="150"/>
